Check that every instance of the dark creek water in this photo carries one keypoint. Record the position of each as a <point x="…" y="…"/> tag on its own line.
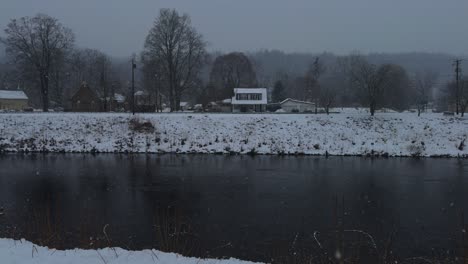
<point x="254" y="208"/>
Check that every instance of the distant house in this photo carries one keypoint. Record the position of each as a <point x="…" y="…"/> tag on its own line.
<point x="249" y="100"/>
<point x="198" y="108"/>
<point x="212" y="107"/>
<point x="291" y="105"/>
<point x="223" y="106"/>
<point x="13" y="100"/>
<point x="185" y="106"/>
<point x="143" y="102"/>
<point x="86" y="100"/>
<point x="117" y="103"/>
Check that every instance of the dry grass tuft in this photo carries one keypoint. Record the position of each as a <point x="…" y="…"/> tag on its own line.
<point x="140" y="125"/>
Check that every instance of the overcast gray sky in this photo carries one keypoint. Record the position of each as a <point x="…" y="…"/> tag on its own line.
<point x="119" y="27"/>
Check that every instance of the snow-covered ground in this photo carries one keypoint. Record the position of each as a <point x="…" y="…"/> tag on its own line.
<point x="24" y="252"/>
<point x="347" y="133"/>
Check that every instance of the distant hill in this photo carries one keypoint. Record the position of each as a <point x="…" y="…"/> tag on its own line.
<point x="271" y="62"/>
<point x="419" y="61"/>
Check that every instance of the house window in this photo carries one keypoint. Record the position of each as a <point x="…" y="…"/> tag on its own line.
<point x="249" y="96"/>
<point x="257" y="97"/>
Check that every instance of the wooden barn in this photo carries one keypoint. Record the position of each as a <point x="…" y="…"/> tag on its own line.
<point x="86" y="100"/>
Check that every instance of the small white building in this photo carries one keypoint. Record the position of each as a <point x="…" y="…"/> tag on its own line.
<point x="249" y="100"/>
<point x="291" y="105"/>
<point x="13" y="100"/>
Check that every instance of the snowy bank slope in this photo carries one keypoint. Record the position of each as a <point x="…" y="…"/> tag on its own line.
<point x="12" y="252"/>
<point x="393" y="134"/>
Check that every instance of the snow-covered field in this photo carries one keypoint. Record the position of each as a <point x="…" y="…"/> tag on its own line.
<point x="392" y="134"/>
<point x="24" y="252"/>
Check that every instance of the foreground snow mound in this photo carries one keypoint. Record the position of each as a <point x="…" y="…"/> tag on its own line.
<point x="387" y="134"/>
<point x="24" y="252"/>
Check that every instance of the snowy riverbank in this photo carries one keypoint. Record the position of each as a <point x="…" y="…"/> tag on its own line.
<point x="25" y="252"/>
<point x="392" y="134"/>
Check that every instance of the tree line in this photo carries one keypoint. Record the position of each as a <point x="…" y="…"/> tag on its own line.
<point x="175" y="65"/>
<point x="48" y="65"/>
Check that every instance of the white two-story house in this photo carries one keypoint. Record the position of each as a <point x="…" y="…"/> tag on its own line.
<point x="249" y="100"/>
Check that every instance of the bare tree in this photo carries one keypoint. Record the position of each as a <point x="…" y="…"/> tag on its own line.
<point x="95" y="68"/>
<point x="397" y="92"/>
<point x="369" y="79"/>
<point x="86" y="65"/>
<point x="328" y="93"/>
<point x="179" y="49"/>
<point x="312" y="79"/>
<point x="423" y="85"/>
<point x="103" y="65"/>
<point x="340" y="72"/>
<point x="458" y="85"/>
<point x="152" y="81"/>
<point x="39" y="41"/>
<point x="233" y="70"/>
<point x="279" y="92"/>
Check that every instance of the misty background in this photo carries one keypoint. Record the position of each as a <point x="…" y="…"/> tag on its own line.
<point x="119" y="27"/>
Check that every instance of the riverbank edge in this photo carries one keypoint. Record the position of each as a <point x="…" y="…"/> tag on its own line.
<point x="365" y="155"/>
<point x="387" y="135"/>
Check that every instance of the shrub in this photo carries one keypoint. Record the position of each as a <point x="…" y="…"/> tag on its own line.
<point x="142" y="126"/>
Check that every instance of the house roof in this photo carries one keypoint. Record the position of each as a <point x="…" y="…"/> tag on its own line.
<point x="140" y="93"/>
<point x="249" y="90"/>
<point x="14" y="95"/>
<point x="85" y="90"/>
<point x="296" y="101"/>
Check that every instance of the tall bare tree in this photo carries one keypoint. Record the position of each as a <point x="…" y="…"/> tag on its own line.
<point x="233" y="70"/>
<point x="39" y="41"/>
<point x="313" y="74"/>
<point x="179" y="49"/>
<point x="423" y="84"/>
<point x="369" y="79"/>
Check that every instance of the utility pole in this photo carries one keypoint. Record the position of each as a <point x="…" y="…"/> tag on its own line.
<point x="133" y="85"/>
<point x="457" y="81"/>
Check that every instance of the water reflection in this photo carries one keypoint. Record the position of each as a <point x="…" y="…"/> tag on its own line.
<point x="238" y="206"/>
